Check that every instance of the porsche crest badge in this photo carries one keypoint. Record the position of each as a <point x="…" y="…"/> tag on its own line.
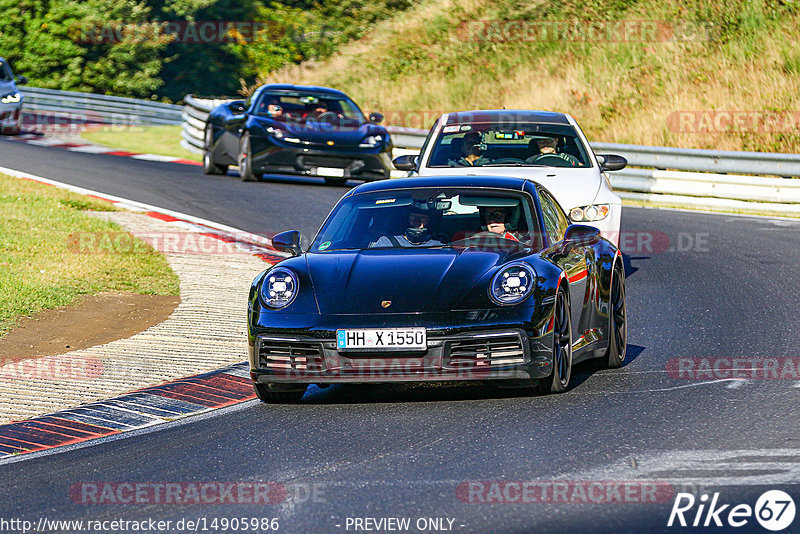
<point x="386" y="303"/>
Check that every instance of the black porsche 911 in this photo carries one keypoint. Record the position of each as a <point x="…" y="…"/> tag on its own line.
<point x="433" y="279"/>
<point x="297" y="129"/>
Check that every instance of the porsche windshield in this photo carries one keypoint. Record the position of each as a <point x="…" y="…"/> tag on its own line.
<point x="308" y="107"/>
<point x="430" y="218"/>
<point x="508" y="144"/>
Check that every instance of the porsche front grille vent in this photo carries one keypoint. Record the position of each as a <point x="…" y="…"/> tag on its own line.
<point x="279" y="355"/>
<point x="502" y="349"/>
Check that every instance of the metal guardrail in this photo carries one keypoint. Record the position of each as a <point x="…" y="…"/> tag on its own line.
<point x="694" y="178"/>
<point x="91" y="108"/>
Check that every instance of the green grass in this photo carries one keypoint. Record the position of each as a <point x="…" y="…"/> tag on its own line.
<point x="40" y="269"/>
<point x="163" y="140"/>
<point x="738" y="55"/>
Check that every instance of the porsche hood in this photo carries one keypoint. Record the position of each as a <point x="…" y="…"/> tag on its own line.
<point x="428" y="280"/>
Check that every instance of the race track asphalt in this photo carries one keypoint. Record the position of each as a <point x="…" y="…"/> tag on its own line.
<point x="699" y="285"/>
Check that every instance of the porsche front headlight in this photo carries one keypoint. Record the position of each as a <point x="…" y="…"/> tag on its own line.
<point x="279" y="287"/>
<point x="12" y="98"/>
<point x="591" y="213"/>
<point x="512" y="284"/>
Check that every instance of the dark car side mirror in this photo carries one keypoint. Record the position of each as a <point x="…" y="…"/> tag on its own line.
<point x="406" y="163"/>
<point x="611" y="162"/>
<point x="22" y="80"/>
<point x="288" y="242"/>
<point x="237" y="107"/>
<point x="580" y="235"/>
<point x="376" y="118"/>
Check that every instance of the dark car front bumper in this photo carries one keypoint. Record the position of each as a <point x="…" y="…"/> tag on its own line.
<point x="508" y="344"/>
<point x="270" y="155"/>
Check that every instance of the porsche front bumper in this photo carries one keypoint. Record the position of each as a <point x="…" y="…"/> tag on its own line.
<point x="518" y="349"/>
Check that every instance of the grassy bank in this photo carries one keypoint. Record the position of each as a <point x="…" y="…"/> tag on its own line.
<point x="697" y="56"/>
<point x="40" y="270"/>
<point x="163" y="140"/>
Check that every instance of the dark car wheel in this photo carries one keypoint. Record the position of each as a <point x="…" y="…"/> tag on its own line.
<point x="209" y="166"/>
<point x="618" y="322"/>
<point x="267" y="395"/>
<point x="245" y="159"/>
<point x="558" y="381"/>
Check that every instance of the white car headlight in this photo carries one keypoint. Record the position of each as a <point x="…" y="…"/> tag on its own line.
<point x="591" y="213"/>
<point x="12" y="98"/>
<point x="371" y="141"/>
<point x="279" y="287"/>
<point x="512" y="284"/>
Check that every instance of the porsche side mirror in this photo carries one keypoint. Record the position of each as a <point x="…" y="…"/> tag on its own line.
<point x="580" y="235"/>
<point x="611" y="162"/>
<point x="287" y="242"/>
<point x="22" y="80"/>
<point x="406" y="163"/>
<point x="376" y="118"/>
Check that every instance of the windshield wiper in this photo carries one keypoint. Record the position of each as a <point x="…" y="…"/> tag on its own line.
<point x="511" y="165"/>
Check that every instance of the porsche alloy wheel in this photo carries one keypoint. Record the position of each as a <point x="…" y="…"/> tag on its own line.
<point x="209" y="166"/>
<point x="245" y="159"/>
<point x="558" y="381"/>
<point x="267" y="395"/>
<point x="618" y="322"/>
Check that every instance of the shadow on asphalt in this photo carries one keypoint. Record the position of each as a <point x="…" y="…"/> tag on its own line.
<point x="443" y="391"/>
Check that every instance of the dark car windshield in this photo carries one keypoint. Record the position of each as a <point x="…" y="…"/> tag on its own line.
<point x="5" y="72"/>
<point x="510" y="143"/>
<point x="303" y="107"/>
<point x="431" y="218"/>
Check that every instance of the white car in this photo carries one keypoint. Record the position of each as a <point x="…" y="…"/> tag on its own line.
<point x="546" y="147"/>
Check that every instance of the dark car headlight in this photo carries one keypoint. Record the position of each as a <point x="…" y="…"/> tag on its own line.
<point x="11" y="98"/>
<point x="371" y="141"/>
<point x="512" y="284"/>
<point x="279" y="288"/>
<point x="277" y="133"/>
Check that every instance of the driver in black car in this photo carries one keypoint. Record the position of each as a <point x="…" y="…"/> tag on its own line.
<point x="313" y="111"/>
<point x="472" y="150"/>
<point x="548" y="154"/>
<point x="421" y="222"/>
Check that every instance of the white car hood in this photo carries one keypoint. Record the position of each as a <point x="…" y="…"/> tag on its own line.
<point x="571" y="187"/>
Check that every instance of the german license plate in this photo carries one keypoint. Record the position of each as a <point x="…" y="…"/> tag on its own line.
<point x="381" y="339"/>
<point x="330" y="171"/>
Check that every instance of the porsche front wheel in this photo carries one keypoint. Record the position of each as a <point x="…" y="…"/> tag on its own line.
<point x="270" y="396"/>
<point x="558" y="381"/>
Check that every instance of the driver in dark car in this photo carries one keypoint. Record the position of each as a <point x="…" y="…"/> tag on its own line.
<point x="313" y="111"/>
<point x="472" y="149"/>
<point x="421" y="222"/>
<point x="496" y="221"/>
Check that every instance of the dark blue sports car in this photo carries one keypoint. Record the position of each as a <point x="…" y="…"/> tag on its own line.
<point x="297" y="129"/>
<point x="10" y="100"/>
<point x="438" y="278"/>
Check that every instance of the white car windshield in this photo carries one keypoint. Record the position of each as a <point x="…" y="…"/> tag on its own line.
<point x="508" y="144"/>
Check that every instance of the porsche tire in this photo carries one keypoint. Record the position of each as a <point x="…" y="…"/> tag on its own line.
<point x="618" y="321"/>
<point x="269" y="396"/>
<point x="245" y="160"/>
<point x="558" y="381"/>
